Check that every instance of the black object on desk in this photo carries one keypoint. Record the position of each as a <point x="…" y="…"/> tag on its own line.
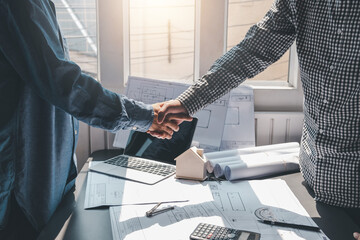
<point x="147" y="159"/>
<point x="205" y="231"/>
<point x="291" y="225"/>
<point x="141" y="144"/>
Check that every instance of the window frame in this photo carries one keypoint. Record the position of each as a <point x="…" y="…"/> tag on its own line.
<point x="210" y="44"/>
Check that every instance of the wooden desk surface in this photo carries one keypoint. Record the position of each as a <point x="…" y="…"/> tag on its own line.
<point x="71" y="221"/>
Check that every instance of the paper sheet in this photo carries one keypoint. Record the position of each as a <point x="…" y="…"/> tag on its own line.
<point x="104" y="190"/>
<point x="121" y="138"/>
<point x="232" y="205"/>
<point x="211" y="119"/>
<point x="239" y="129"/>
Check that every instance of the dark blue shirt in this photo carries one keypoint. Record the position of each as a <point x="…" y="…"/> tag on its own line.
<point x="42" y="94"/>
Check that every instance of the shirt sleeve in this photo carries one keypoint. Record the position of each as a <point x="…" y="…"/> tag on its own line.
<point x="30" y="40"/>
<point x="263" y="45"/>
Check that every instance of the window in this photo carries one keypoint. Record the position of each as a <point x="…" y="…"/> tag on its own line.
<point x="178" y="40"/>
<point x="242" y="14"/>
<point x="77" y="20"/>
<point x="162" y="39"/>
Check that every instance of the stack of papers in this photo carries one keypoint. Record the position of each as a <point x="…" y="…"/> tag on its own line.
<point x="254" y="162"/>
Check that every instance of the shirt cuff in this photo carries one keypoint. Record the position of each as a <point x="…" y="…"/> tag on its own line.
<point x="190" y="101"/>
<point x="140" y="115"/>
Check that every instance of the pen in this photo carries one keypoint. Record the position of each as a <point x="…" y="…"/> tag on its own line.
<point x="153" y="211"/>
<point x="291" y="225"/>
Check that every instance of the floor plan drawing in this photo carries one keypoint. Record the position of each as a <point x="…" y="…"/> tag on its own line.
<point x="203" y="118"/>
<point x="233" y="116"/>
<point x="227" y="123"/>
<point x="233" y="205"/>
<point x="211" y="119"/>
<point x="239" y="129"/>
<point x="217" y="199"/>
<point x="150" y="93"/>
<point x="236" y="201"/>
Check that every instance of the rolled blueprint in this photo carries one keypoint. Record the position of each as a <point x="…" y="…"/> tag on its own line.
<point x="220" y="167"/>
<point x="214" y="158"/>
<point x="210" y="164"/>
<point x="249" y="169"/>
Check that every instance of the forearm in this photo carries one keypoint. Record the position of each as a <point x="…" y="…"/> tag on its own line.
<point x="89" y="102"/>
<point x="263" y="45"/>
<point x="31" y="44"/>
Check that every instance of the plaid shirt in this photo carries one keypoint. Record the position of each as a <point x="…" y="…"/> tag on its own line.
<point x="327" y="35"/>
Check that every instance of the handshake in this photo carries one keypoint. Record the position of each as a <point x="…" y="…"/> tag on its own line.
<point x="167" y="118"/>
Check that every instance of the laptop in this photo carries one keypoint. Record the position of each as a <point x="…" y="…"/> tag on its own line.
<point x="147" y="159"/>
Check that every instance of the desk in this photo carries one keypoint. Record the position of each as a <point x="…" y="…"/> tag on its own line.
<point x="71" y="221"/>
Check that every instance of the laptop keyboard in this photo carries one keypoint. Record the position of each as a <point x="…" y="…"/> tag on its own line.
<point x="142" y="165"/>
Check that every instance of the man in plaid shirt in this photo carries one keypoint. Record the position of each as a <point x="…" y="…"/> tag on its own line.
<point x="327" y="35"/>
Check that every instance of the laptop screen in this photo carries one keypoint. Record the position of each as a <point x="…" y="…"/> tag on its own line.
<point x="141" y="144"/>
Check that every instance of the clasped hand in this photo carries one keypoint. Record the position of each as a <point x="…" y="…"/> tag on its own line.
<point x="167" y="118"/>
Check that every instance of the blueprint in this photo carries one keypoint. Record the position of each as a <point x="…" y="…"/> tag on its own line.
<point x="105" y="190"/>
<point x="232" y="205"/>
<point x="211" y="119"/>
<point x="239" y="129"/>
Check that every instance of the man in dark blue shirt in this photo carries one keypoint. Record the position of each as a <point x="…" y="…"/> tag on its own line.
<point x="42" y="95"/>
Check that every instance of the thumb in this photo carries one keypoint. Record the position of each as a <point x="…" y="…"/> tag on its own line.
<point x="162" y="113"/>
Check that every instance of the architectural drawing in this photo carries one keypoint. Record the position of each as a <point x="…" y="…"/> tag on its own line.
<point x="228" y="123"/>
<point x="203" y="118"/>
<point x="239" y="129"/>
<point x="233" y="206"/>
<point x="211" y="120"/>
